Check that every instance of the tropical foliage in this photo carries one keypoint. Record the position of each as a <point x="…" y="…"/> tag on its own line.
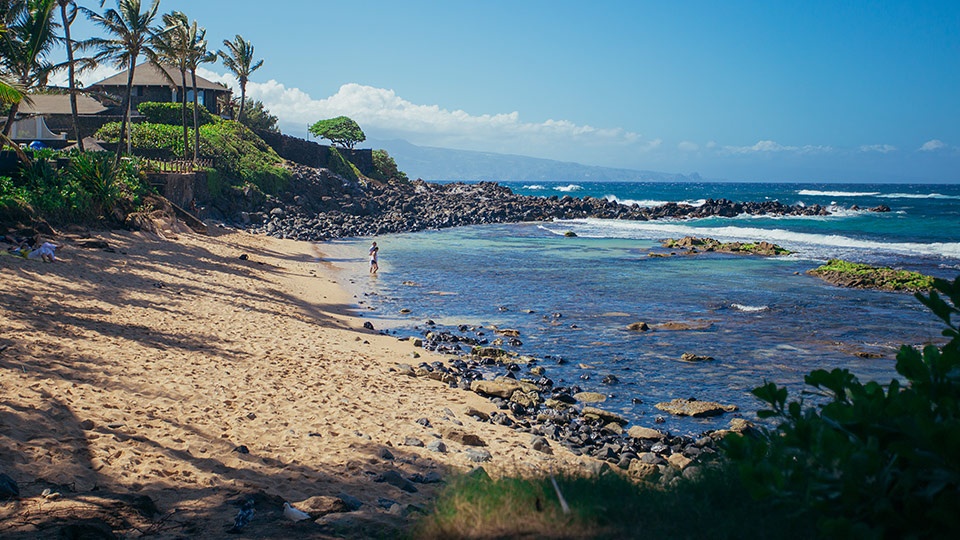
<point x="237" y="56"/>
<point x="238" y="153"/>
<point x="256" y="116"/>
<point x="92" y="188"/>
<point x="868" y="460"/>
<point x="385" y="167"/>
<point x="27" y="34"/>
<point x="172" y="113"/>
<point x="130" y="33"/>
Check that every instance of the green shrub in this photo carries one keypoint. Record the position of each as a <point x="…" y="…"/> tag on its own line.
<point x="171" y="114"/>
<point x="242" y="155"/>
<point x="870" y="460"/>
<point x="13" y="198"/>
<point x="385" y="167"/>
<point x="91" y="188"/>
<point x="147" y="136"/>
<point x="342" y="166"/>
<point x="238" y="153"/>
<point x="106" y="183"/>
<point x="215" y="182"/>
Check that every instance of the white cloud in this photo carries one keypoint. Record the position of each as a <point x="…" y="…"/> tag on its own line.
<point x="382" y="111"/>
<point x="688" y="146"/>
<point x="879" y="148"/>
<point x="932" y="145"/>
<point x="768" y="147"/>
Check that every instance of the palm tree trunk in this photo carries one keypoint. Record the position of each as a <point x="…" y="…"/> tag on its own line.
<point x="126" y="112"/>
<point x="14" y="107"/>
<point x="196" y="118"/>
<point x="183" y="111"/>
<point x="72" y="80"/>
<point x="243" y="100"/>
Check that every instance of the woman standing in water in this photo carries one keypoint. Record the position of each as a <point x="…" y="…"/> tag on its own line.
<point x="374" y="250"/>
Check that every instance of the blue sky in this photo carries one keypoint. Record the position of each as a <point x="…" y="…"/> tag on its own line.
<point x="775" y="91"/>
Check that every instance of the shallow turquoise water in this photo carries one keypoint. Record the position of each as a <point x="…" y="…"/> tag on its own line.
<point x="760" y="318"/>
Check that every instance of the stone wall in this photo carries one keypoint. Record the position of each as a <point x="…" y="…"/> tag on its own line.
<point x="178" y="188"/>
<point x="314" y="154"/>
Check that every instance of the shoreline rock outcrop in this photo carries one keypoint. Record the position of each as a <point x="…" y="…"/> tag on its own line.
<point x="694" y="245"/>
<point x="863" y="276"/>
<point x="320" y="205"/>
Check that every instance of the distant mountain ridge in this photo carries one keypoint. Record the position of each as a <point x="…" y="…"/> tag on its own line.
<point x="432" y="163"/>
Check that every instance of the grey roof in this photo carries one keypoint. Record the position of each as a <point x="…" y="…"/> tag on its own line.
<point x="149" y="75"/>
<point x="89" y="145"/>
<point x="60" y="104"/>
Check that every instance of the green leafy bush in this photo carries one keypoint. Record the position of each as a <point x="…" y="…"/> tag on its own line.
<point x="91" y="188"/>
<point x="148" y="136"/>
<point x="870" y="460"/>
<point x="342" y="166"/>
<point x="13" y="199"/>
<point x="238" y="153"/>
<point x="242" y="155"/>
<point x="171" y="114"/>
<point x="385" y="167"/>
<point x="107" y="183"/>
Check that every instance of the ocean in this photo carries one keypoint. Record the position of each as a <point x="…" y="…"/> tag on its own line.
<point x="760" y="319"/>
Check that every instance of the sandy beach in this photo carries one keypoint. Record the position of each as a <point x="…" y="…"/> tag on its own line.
<point x="154" y="385"/>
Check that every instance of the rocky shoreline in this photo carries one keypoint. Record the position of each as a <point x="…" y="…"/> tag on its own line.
<point x="319" y="205"/>
<point x="530" y="402"/>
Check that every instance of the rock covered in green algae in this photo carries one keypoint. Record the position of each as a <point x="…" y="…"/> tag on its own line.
<point x="863" y="276"/>
<point x="696" y="245"/>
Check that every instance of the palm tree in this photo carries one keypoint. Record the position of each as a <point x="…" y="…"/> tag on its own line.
<point x="172" y="49"/>
<point x="27" y="37"/>
<point x="131" y="34"/>
<point x="67" y="16"/>
<point x="238" y="58"/>
<point x="9" y="93"/>
<point x="198" y="55"/>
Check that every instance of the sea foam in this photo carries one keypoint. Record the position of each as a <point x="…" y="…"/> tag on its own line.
<point x="749" y="309"/>
<point x="650" y="203"/>
<point x="814" y="192"/>
<point x="808" y="245"/>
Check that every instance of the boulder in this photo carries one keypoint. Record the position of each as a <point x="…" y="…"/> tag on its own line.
<point x="468" y="439"/>
<point x="692" y="407"/>
<point x="690" y="357"/>
<point x="640" y="432"/>
<point x="527" y="399"/>
<point x="540" y="444"/>
<point x="606" y="416"/>
<point x="643" y="471"/>
<point x="679" y="461"/>
<point x="590" y="397"/>
<point x="488" y="352"/>
<point x="322" y="505"/>
<point x="638" y="327"/>
<point x="503" y="388"/>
